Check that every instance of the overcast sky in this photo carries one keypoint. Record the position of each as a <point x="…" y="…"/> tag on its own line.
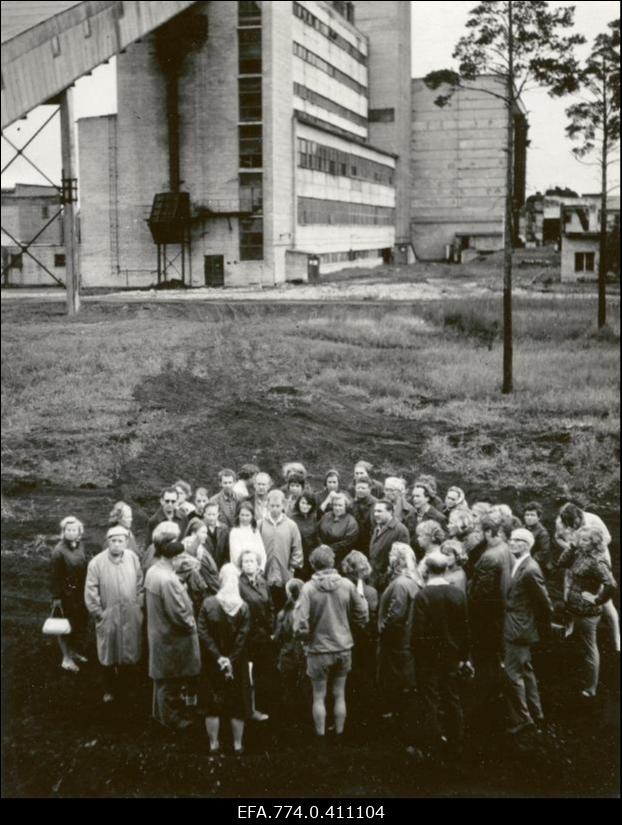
<point x="436" y="27"/>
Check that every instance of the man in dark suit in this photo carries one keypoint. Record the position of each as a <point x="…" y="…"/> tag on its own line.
<point x="362" y="508"/>
<point x="422" y="511"/>
<point x="167" y="511"/>
<point x="387" y="531"/>
<point x="217" y="540"/>
<point x="528" y="607"/>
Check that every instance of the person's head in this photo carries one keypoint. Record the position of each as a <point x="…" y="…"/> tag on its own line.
<point x="200" y="499"/>
<point x="248" y="562"/>
<point x="508" y="525"/>
<point x="295" y="485"/>
<point x="340" y="505"/>
<point x="71" y="529"/>
<point x="383" y="512"/>
<point x="184" y="491"/>
<point x="292" y="591"/>
<point x="460" y="523"/>
<point x="362" y="488"/>
<point x="276" y="503"/>
<point x="331" y="480"/>
<point x="402" y="559"/>
<point x="571" y="516"/>
<point x="198" y="528"/>
<point x="479" y="510"/>
<point x="532" y="513"/>
<point x="430" y="534"/>
<point x="591" y="541"/>
<point x="210" y="514"/>
<point x="429" y="482"/>
<point x="394" y="488"/>
<point x="504" y="511"/>
<point x="454" y="498"/>
<point x="248" y="472"/>
<point x="322" y="558"/>
<point x="491" y="526"/>
<point x="436" y="563"/>
<point x="305" y="505"/>
<point x="229" y="580"/>
<point x="166" y="534"/>
<point x="116" y="539"/>
<point x="168" y="501"/>
<point x="362" y="469"/>
<point x="521" y="541"/>
<point x="355" y="566"/>
<point x="121" y="514"/>
<point x="422" y="495"/>
<point x="246" y="515"/>
<point x="227" y="479"/>
<point x="294" y="468"/>
<point x="454" y="551"/>
<point x="263" y="482"/>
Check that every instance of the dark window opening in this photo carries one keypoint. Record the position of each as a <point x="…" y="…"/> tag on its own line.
<point x="249" y="51"/>
<point x="250" y="98"/>
<point x="59" y="260"/>
<point x="250" y="147"/>
<point x="16" y="261"/>
<point x="249" y="13"/>
<point x="584" y="261"/>
<point x="381" y="115"/>
<point x="251" y="239"/>
<point x="251" y="192"/>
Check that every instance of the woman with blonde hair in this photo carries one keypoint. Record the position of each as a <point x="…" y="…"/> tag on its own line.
<point x="396" y="674"/>
<point x="454" y="574"/>
<point x="357" y="568"/>
<point x="591" y="585"/>
<point x="68" y="564"/>
<point x="430" y="536"/>
<point x="224" y="624"/>
<point x="246" y="536"/>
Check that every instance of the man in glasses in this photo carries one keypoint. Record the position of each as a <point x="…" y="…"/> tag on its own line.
<point x="167" y="511"/>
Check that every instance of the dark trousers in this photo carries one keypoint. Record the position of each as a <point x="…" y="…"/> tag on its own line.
<point x="521" y="687"/>
<point x="438" y="687"/>
<point x="168" y="706"/>
<point x="118" y="679"/>
<point x="277" y="593"/>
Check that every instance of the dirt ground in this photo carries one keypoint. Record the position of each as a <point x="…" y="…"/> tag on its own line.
<point x="59" y="740"/>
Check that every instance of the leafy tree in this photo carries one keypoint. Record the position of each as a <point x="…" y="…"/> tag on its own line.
<point x="522" y="44"/>
<point x="595" y="124"/>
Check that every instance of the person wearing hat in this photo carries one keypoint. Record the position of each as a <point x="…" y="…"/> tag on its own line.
<point x="528" y="608"/>
<point x="113" y="594"/>
<point x="174" y="657"/>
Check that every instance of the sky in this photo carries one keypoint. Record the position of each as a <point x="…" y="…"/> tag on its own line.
<point x="436" y="27"/>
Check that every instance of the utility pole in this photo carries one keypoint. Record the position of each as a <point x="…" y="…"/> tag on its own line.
<point x="508" y="384"/>
<point x="69" y="198"/>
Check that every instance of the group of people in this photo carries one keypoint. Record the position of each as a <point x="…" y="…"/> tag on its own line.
<point x="258" y="596"/>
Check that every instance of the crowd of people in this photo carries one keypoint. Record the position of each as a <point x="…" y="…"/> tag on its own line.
<point x="264" y="597"/>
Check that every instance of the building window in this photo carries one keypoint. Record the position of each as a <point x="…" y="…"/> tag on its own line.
<point x="16" y="261"/>
<point x="326" y="31"/>
<point x="313" y="155"/>
<point x="381" y="115"/>
<point x="45" y="212"/>
<point x="249" y="51"/>
<point x="251" y="239"/>
<point x="584" y="261"/>
<point x="251" y="192"/>
<point x="315" y="60"/>
<point x="59" y="260"/>
<point x="329" y="105"/>
<point x="343" y="213"/>
<point x="250" y="147"/>
<point x="249" y="13"/>
<point x="250" y="98"/>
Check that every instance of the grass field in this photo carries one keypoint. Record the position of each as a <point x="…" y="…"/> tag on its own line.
<point x="129" y="397"/>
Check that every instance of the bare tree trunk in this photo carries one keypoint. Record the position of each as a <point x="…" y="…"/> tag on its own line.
<point x="602" y="258"/>
<point x="508" y="383"/>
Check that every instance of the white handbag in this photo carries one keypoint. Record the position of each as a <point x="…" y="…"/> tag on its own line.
<point x="56" y="625"/>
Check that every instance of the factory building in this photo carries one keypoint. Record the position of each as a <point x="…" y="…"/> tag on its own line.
<point x="253" y="143"/>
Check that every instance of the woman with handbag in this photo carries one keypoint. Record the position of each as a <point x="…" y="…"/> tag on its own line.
<point x="68" y="564"/>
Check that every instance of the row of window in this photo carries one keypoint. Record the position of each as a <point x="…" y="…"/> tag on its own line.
<point x="315" y="60"/>
<point x="323" y="28"/>
<point x="250" y="136"/>
<point x="249" y="51"/>
<point x="349" y="255"/>
<point x="338" y="213"/>
<point x="312" y="155"/>
<point x="326" y="103"/>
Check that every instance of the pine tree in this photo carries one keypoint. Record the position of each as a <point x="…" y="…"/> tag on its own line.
<point x="522" y="43"/>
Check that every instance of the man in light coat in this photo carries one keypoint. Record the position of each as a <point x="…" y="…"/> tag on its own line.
<point x="528" y="607"/>
<point x="113" y="595"/>
<point x="174" y="657"/>
<point x="283" y="544"/>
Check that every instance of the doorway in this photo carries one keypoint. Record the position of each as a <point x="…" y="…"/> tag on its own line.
<point x="214" y="270"/>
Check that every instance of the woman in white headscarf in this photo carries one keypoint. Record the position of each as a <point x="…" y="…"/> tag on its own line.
<point x="224" y="623"/>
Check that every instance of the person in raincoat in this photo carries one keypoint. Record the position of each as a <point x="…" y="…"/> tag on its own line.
<point x="174" y="656"/>
<point x="113" y="594"/>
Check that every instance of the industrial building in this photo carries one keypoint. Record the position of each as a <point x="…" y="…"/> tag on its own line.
<point x="252" y="141"/>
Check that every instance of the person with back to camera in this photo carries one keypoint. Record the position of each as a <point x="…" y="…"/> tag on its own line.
<point x="327" y="608"/>
<point x="68" y="563"/>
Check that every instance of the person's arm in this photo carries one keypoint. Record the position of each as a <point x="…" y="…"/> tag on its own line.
<point x="344" y="545"/>
<point x="206" y="638"/>
<point x="397" y="608"/>
<point x="57" y="574"/>
<point x="177" y="606"/>
<point x="359" y="608"/>
<point x="301" y="616"/>
<point x="609" y="584"/>
<point x="140" y="581"/>
<point x="296" y="557"/>
<point x="92" y="597"/>
<point x="242" y="634"/>
<point x="405" y="537"/>
<point x="542" y="549"/>
<point x="568" y="557"/>
<point x="538" y="595"/>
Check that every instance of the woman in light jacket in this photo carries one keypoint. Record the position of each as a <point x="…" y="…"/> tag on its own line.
<point x="246" y="536"/>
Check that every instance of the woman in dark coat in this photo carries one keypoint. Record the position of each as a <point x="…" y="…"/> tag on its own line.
<point x="68" y="565"/>
<point x="339" y="529"/>
<point x="224" y="624"/>
<point x="256" y="593"/>
<point x="395" y="662"/>
<point x="304" y="516"/>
